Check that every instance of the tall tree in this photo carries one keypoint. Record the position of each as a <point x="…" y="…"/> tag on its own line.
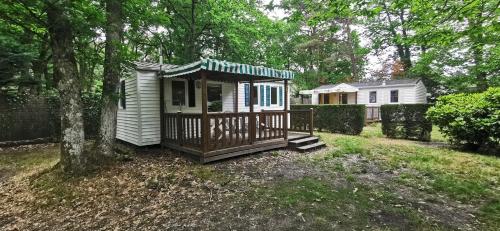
<point x="112" y="70"/>
<point x="390" y="26"/>
<point x="73" y="156"/>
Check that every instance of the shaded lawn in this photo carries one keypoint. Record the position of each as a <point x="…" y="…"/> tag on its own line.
<point x="465" y="177"/>
<point x="365" y="182"/>
<point x="27" y="159"/>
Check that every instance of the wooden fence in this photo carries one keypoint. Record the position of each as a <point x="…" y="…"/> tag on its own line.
<point x="31" y="123"/>
<point x="39" y="121"/>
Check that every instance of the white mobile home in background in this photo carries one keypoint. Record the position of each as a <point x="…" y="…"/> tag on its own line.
<point x="372" y="94"/>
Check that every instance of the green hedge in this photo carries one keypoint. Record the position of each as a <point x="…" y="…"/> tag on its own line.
<point x="345" y="119"/>
<point x="406" y="121"/>
<point x="470" y="119"/>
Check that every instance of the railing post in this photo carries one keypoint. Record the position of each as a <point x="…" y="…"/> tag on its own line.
<point x="311" y="121"/>
<point x="162" y="113"/>
<point x="205" y="121"/>
<point x="178" y="119"/>
<point x="285" y="118"/>
<point x="252" y="116"/>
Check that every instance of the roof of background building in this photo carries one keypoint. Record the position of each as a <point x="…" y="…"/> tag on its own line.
<point x="147" y="66"/>
<point x="374" y="83"/>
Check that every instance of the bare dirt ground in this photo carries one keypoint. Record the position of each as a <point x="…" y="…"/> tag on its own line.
<point x="280" y="190"/>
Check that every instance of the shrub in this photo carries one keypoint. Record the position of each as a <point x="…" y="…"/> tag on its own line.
<point x="469" y="119"/>
<point x="346" y="119"/>
<point x="406" y="121"/>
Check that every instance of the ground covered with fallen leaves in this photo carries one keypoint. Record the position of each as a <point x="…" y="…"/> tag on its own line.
<point x="358" y="183"/>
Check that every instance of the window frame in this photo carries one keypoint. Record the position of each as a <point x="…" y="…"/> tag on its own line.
<point x="326" y="96"/>
<point x="191" y="93"/>
<point x="370" y="97"/>
<point x="209" y="102"/>
<point x="255" y="94"/>
<point x="276" y="95"/>
<point x="341" y="98"/>
<point x="122" y="94"/>
<point x="391" y="97"/>
<point x="173" y="94"/>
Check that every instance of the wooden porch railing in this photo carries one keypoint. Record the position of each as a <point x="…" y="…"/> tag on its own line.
<point x="302" y="121"/>
<point x="183" y="129"/>
<point x="226" y="130"/>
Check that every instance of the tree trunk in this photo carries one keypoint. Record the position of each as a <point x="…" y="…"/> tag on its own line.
<point x="352" y="50"/>
<point x="73" y="157"/>
<point x="112" y="68"/>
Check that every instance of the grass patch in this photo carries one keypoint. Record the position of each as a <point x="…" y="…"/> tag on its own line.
<point x="344" y="145"/>
<point x="373" y="130"/>
<point x="322" y="205"/>
<point x="467" y="177"/>
<point x="55" y="188"/>
<point x="19" y="161"/>
<point x="207" y="172"/>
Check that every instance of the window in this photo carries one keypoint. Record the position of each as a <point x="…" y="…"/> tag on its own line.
<point x="343" y="98"/>
<point x="178" y="93"/>
<point x="214" y="94"/>
<point x="191" y="94"/>
<point x="123" y="103"/>
<point x="274" y="95"/>
<point x="373" y="96"/>
<point x="255" y="95"/>
<point x="247" y="94"/>
<point x="326" y="98"/>
<point x="394" y="96"/>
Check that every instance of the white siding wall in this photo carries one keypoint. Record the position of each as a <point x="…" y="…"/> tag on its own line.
<point x="127" y="126"/>
<point x="420" y="93"/>
<point x="351" y="98"/>
<point x="406" y="95"/>
<point x="149" y="108"/>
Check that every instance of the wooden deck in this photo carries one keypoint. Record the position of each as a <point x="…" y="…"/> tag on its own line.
<point x="229" y="134"/>
<point x="258" y="146"/>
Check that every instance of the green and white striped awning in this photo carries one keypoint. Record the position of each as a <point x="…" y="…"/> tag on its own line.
<point x="228" y="67"/>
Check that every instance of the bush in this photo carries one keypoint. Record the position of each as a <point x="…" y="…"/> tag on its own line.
<point x="346" y="119"/>
<point x="469" y="119"/>
<point x="406" y="121"/>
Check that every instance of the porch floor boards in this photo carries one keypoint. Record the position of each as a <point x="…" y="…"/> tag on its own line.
<point x="232" y="151"/>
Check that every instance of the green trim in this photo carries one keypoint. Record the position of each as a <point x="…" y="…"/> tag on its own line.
<point x="228" y="67"/>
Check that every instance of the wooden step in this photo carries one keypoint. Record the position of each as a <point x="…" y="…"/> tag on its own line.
<point x="303" y="141"/>
<point x="298" y="137"/>
<point x="310" y="147"/>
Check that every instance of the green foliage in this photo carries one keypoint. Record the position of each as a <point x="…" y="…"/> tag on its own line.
<point x="323" y="44"/>
<point x="406" y="121"/>
<point x="470" y="119"/>
<point x="345" y="119"/>
<point x="215" y="106"/>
